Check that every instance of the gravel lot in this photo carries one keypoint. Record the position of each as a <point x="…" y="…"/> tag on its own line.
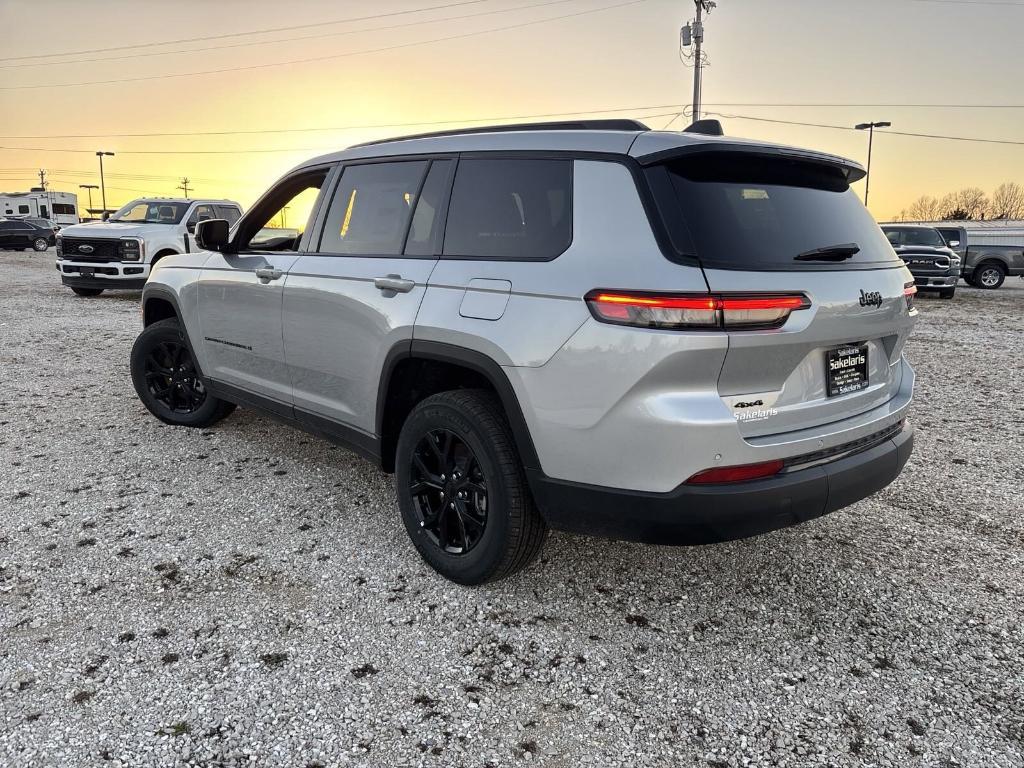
<point x="246" y="595"/>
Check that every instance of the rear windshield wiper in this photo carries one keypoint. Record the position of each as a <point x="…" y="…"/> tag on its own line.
<point x="830" y="253"/>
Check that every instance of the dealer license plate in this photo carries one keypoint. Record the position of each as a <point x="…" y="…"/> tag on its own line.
<point x="846" y="369"/>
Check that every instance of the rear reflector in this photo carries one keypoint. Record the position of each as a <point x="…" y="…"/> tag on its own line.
<point x="737" y="474"/>
<point x="694" y="311"/>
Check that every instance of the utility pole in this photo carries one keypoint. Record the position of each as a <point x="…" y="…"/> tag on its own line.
<point x="870" y="128"/>
<point x="103" y="186"/>
<point x="89" y="187"/>
<point x="42" y="178"/>
<point x="694" y="33"/>
<point x="184" y="185"/>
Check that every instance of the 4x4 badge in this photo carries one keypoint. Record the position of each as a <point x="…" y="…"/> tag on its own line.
<point x="870" y="299"/>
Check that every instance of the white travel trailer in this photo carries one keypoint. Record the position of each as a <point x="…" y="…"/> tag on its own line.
<point x="61" y="207"/>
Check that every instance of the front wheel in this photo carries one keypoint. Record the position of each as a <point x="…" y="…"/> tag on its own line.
<point x="462" y="491"/>
<point x="989" y="276"/>
<point x="40" y="244"/>
<point x="86" y="291"/>
<point x="947" y="293"/>
<point x="167" y="380"/>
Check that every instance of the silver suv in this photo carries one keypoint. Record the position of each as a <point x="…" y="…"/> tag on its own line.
<point x="676" y="338"/>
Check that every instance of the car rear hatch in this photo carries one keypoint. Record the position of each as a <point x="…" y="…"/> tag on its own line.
<point x="781" y="225"/>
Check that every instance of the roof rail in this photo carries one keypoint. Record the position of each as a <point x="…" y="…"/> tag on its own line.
<point x="706" y="127"/>
<point x="567" y="125"/>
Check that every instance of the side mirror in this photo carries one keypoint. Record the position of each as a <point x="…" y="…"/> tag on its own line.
<point x="106" y="215"/>
<point x="191" y="227"/>
<point x="954" y="243"/>
<point x="212" y="234"/>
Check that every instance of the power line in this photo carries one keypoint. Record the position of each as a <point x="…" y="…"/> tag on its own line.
<point x="289" y="39"/>
<point x="314" y="59"/>
<point x="225" y="36"/>
<point x="974" y="139"/>
<point x="970" y="2"/>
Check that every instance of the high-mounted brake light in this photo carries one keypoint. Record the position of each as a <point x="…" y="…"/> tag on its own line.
<point x="694" y="311"/>
<point x="737" y="474"/>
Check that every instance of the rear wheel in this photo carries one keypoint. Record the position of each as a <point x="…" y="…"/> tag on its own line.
<point x="990" y="275"/>
<point x="947" y="293"/>
<point x="462" y="491"/>
<point x="86" y="291"/>
<point x="167" y="380"/>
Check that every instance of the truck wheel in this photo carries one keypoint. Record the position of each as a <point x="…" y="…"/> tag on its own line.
<point x="167" y="380"/>
<point x="947" y="293"/>
<point x="989" y="275"/>
<point x="462" y="491"/>
<point x="40" y="244"/>
<point x="87" y="291"/>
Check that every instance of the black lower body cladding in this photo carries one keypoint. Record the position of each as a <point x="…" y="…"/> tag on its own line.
<point x="694" y="514"/>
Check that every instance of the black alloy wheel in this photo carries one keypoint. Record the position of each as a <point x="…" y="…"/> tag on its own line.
<point x="172" y="379"/>
<point x="449" y="492"/>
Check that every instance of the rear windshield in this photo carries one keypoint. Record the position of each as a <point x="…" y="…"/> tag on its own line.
<point x="915" y="236"/>
<point x="738" y="211"/>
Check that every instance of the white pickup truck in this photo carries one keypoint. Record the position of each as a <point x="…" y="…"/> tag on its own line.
<point x="121" y="251"/>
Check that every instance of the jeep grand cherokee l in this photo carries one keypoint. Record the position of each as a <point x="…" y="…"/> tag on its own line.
<point x="668" y="337"/>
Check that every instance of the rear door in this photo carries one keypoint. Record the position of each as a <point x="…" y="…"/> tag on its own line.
<point x="747" y="219"/>
<point x="356" y="292"/>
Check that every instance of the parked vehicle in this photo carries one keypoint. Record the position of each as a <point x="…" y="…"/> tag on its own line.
<point x="990" y="250"/>
<point x="120" y="252"/>
<point x="62" y="207"/>
<point x="18" y="235"/>
<point x="666" y="337"/>
<point x="934" y="265"/>
<point x="987" y="266"/>
<point x="49" y="224"/>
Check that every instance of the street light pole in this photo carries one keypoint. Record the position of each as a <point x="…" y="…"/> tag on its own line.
<point x="89" y="187"/>
<point x="103" y="186"/>
<point x="870" y="127"/>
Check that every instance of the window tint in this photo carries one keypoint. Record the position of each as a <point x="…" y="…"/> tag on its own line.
<point x="915" y="236"/>
<point x="372" y="207"/>
<point x="748" y="212"/>
<point x="8" y="225"/>
<point x="228" y="213"/>
<point x="201" y="213"/>
<point x="426" y="230"/>
<point x="951" y="235"/>
<point x="510" y="209"/>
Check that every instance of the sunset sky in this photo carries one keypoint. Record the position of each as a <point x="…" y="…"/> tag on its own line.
<point x="813" y="53"/>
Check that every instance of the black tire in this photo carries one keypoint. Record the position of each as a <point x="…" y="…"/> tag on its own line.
<point x="86" y="291"/>
<point x="167" y="380"/>
<point x="40" y="244"/>
<point x="510" y="531"/>
<point x="947" y="293"/>
<point x="989" y="275"/>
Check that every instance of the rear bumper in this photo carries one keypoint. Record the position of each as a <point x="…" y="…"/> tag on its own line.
<point x="694" y="514"/>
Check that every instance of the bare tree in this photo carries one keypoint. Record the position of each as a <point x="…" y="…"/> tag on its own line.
<point x="925" y="208"/>
<point x="966" y="203"/>
<point x="1007" y="202"/>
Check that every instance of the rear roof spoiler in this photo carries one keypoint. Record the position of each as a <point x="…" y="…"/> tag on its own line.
<point x="853" y="171"/>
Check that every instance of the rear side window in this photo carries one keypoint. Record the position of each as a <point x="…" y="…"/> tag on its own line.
<point x="372" y="208"/>
<point x="739" y="211"/>
<point x="507" y="208"/>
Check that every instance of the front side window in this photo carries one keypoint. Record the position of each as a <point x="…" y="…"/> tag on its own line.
<point x="151" y="212"/>
<point x="278" y="220"/>
<point x="508" y="208"/>
<point x="229" y="213"/>
<point x="372" y="208"/>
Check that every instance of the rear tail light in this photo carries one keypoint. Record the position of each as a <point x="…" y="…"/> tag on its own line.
<point x="694" y="311"/>
<point x="737" y="474"/>
<point x="909" y="289"/>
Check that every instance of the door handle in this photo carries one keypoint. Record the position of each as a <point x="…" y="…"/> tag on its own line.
<point x="394" y="283"/>
<point x="266" y="274"/>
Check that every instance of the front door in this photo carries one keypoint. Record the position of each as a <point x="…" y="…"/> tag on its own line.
<point x="240" y="294"/>
<point x="355" y="294"/>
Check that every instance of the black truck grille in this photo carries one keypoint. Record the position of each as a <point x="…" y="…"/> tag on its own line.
<point x="95" y="249"/>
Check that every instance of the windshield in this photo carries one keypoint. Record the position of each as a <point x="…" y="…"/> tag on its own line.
<point x="740" y="211"/>
<point x="915" y="236"/>
<point x="141" y="211"/>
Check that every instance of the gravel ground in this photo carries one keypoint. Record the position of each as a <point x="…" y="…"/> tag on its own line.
<point x="246" y="595"/>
